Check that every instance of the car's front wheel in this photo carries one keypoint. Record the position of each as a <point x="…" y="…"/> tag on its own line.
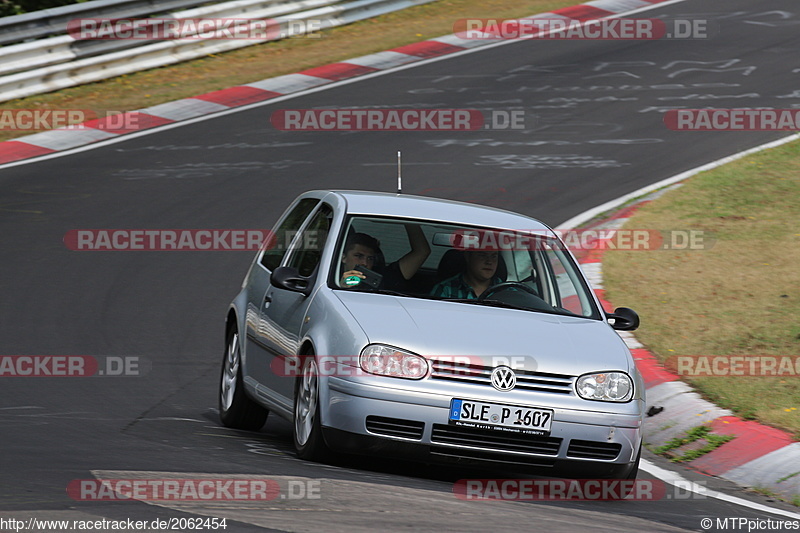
<point x="628" y="478"/>
<point x="634" y="472"/>
<point x="236" y="410"/>
<point x="308" y="440"/>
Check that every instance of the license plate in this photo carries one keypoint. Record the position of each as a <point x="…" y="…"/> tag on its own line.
<point x="500" y="416"/>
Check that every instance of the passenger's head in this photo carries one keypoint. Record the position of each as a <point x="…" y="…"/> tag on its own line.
<point x="360" y="249"/>
<point x="481" y="265"/>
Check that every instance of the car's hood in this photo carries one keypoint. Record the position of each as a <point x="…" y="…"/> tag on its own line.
<point x="558" y="344"/>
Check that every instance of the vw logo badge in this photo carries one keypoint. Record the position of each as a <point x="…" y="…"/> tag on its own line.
<point x="503" y="378"/>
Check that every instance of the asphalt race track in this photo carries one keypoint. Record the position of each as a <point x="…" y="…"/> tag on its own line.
<point x="593" y="132"/>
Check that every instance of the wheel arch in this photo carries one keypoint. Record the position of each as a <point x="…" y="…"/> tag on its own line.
<point x="231" y="321"/>
<point x="307" y="347"/>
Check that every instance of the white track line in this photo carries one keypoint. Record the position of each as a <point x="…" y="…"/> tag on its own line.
<point x="673" y="478"/>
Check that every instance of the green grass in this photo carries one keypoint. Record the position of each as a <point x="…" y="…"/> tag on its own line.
<point x="741" y="296"/>
<point x="788" y="476"/>
<point x="769" y="493"/>
<point x="713" y="441"/>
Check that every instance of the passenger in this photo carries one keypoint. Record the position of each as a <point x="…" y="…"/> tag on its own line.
<point x="360" y="249"/>
<point x="480" y="273"/>
<point x="364" y="250"/>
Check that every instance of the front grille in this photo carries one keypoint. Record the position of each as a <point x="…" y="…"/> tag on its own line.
<point x="494" y="439"/>
<point x="480" y="455"/>
<point x="587" y="449"/>
<point x="467" y="372"/>
<point x="395" y="427"/>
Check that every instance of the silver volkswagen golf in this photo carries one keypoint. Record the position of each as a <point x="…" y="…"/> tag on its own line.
<point x="436" y="330"/>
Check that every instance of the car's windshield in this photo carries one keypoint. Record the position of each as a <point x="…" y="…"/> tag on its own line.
<point x="522" y="269"/>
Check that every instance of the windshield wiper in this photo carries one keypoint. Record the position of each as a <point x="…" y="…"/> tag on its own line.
<point x="497" y="303"/>
<point x="390" y="292"/>
<point x="490" y="303"/>
<point x="381" y="291"/>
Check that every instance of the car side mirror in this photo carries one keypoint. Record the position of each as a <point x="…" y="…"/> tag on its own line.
<point x="625" y="319"/>
<point x="289" y="278"/>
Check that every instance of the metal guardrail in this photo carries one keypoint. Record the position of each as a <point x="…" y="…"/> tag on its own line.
<point x="65" y="48"/>
<point x="38" y="24"/>
<point x="53" y="63"/>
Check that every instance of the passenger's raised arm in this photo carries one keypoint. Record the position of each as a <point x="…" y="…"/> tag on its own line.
<point x="420" y="250"/>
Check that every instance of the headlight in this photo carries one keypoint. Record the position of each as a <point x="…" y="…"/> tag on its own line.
<point x="389" y="361"/>
<point x="605" y="387"/>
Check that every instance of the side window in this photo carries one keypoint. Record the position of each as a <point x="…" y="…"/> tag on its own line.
<point x="567" y="295"/>
<point x="523" y="266"/>
<point x="282" y="235"/>
<point x="307" y="251"/>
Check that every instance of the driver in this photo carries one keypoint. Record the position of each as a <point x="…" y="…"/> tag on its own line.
<point x="480" y="273"/>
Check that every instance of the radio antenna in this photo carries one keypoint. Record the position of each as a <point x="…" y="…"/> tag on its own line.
<point x="399" y="173"/>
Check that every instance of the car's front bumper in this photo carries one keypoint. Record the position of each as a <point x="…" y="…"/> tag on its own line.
<point x="581" y="442"/>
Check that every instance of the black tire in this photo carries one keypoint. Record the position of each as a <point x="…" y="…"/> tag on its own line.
<point x="629" y="478"/>
<point x="309" y="442"/>
<point x="634" y="472"/>
<point x="236" y="410"/>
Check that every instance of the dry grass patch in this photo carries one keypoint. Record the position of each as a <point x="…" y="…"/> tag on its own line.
<point x="739" y="297"/>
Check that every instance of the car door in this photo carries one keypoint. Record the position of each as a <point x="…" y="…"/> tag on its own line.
<point x="256" y="360"/>
<point x="283" y="311"/>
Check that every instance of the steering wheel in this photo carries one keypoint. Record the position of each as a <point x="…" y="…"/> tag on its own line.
<point x="506" y="285"/>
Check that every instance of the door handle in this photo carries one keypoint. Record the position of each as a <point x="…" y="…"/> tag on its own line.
<point x="267" y="300"/>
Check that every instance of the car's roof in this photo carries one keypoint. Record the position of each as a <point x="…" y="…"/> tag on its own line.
<point x="437" y="209"/>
